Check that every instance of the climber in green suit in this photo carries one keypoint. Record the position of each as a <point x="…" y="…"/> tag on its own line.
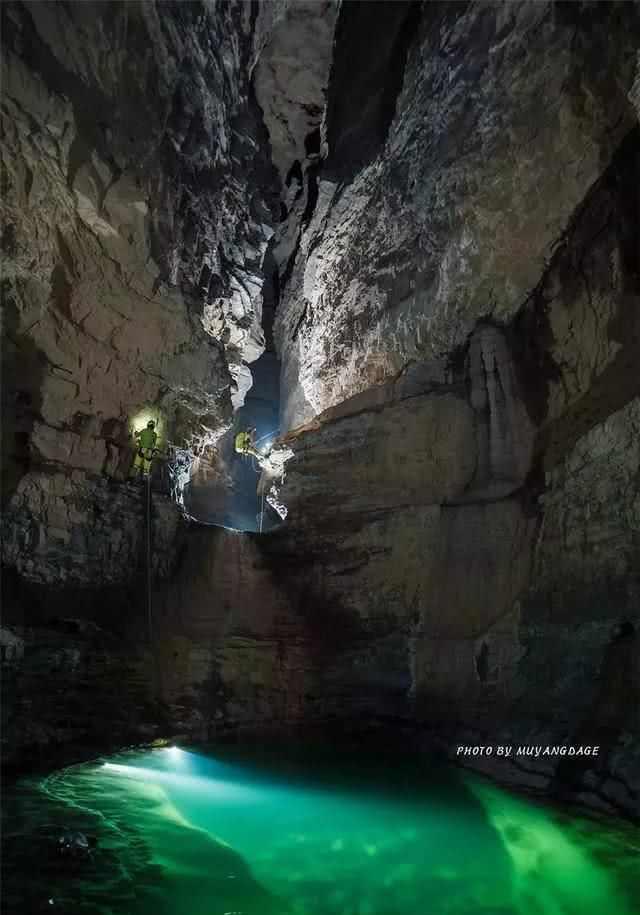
<point x="244" y="443"/>
<point x="146" y="440"/>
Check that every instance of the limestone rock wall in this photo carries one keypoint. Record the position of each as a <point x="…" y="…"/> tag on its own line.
<point x="231" y="649"/>
<point x="471" y="526"/>
<point x="137" y="196"/>
<point x="72" y="688"/>
<point x="293" y="57"/>
<point x="443" y="203"/>
<point x="587" y="556"/>
<point x="578" y="675"/>
<point x="509" y="619"/>
<point x="142" y="176"/>
<point x="67" y="529"/>
<point x="410" y="508"/>
<point x="225" y="648"/>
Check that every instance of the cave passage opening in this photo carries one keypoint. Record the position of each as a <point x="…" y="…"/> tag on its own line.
<point x="230" y="497"/>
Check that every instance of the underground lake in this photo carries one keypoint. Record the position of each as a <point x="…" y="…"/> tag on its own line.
<point x="233" y="831"/>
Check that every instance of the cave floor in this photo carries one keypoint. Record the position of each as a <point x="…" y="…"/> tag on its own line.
<point x="309" y="832"/>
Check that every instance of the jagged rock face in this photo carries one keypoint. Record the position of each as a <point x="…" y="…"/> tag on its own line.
<point x="290" y="74"/>
<point x="63" y="529"/>
<point x="137" y="195"/>
<point x="586" y="307"/>
<point x="445" y="206"/>
<point x="588" y="552"/>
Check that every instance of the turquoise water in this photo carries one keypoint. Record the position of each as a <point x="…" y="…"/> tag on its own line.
<point x="189" y="832"/>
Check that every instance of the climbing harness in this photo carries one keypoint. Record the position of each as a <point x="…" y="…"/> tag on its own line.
<point x="143" y="460"/>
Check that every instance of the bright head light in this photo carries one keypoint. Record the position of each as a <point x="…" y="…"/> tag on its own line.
<point x="140" y="419"/>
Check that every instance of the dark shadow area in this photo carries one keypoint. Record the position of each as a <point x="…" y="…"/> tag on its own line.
<point x="610" y="715"/>
<point x="75" y="683"/>
<point x="23" y="368"/>
<point x="371" y="45"/>
<point x="603" y="230"/>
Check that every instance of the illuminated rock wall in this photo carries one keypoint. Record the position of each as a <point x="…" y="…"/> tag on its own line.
<point x="468" y="137"/>
<point x="138" y="198"/>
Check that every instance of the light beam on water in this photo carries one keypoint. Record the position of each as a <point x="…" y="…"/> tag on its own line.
<point x="204" y="834"/>
<point x="187" y="784"/>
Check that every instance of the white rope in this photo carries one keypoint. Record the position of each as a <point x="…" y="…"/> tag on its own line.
<point x="266" y="435"/>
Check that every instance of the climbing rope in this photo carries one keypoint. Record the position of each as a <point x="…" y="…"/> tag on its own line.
<point x="266" y="435"/>
<point x="148" y="535"/>
<point x="262" y="511"/>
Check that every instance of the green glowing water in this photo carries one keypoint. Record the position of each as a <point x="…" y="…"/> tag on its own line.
<point x="188" y="833"/>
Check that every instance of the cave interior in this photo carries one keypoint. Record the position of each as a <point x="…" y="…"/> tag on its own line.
<point x="402" y="241"/>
